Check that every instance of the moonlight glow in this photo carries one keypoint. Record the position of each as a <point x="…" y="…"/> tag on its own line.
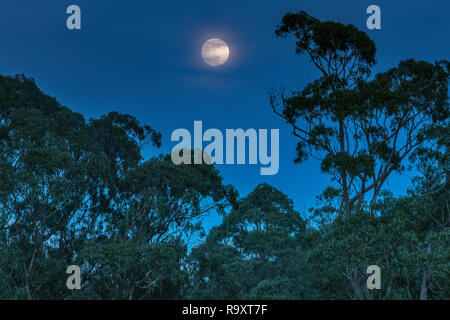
<point x="215" y="52"/>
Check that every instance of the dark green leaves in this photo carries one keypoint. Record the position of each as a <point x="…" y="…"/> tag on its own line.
<point x="329" y="43"/>
<point x="360" y="165"/>
<point x="361" y="129"/>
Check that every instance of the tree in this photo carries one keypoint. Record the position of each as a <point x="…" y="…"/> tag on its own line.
<point x="44" y="186"/>
<point x="141" y="252"/>
<point x="255" y="253"/>
<point x="56" y="169"/>
<point x="408" y="240"/>
<point x="78" y="192"/>
<point x="361" y="128"/>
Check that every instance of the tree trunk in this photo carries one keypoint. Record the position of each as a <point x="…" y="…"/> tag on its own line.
<point x="423" y="287"/>
<point x="357" y="289"/>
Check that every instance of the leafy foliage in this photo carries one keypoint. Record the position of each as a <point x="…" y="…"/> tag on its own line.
<point x="77" y="191"/>
<point x="361" y="129"/>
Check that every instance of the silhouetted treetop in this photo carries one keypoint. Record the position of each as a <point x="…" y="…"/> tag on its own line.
<point x="330" y="45"/>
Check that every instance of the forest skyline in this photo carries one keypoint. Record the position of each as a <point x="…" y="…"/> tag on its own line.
<point x="135" y="153"/>
<point x="234" y="96"/>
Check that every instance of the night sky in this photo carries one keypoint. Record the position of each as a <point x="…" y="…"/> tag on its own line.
<point x="143" y="58"/>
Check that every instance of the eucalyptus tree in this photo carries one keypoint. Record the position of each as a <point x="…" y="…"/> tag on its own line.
<point x="44" y="187"/>
<point x="142" y="253"/>
<point x="79" y="192"/>
<point x="361" y="127"/>
<point x="58" y="185"/>
<point x="257" y="252"/>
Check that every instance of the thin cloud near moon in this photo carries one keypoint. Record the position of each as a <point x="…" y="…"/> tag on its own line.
<point x="215" y="52"/>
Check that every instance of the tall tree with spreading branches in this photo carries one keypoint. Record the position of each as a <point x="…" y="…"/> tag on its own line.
<point x="360" y="127"/>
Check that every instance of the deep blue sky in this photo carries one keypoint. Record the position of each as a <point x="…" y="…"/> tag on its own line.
<point x="143" y="57"/>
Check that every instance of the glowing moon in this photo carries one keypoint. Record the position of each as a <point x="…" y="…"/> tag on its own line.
<point x="215" y="52"/>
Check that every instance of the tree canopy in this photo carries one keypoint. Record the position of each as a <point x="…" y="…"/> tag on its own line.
<point x="76" y="191"/>
<point x="361" y="128"/>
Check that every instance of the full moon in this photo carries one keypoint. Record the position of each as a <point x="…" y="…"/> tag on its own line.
<point x="215" y="52"/>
